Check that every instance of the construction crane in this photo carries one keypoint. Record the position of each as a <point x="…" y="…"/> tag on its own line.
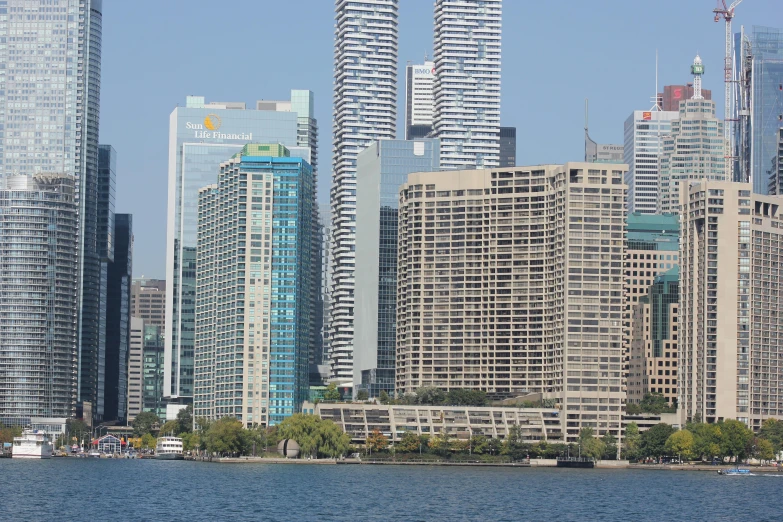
<point x="727" y="13"/>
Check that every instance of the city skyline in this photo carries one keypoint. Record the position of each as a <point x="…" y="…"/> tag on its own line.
<point x="549" y="121"/>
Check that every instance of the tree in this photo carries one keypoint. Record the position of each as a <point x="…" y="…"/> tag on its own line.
<point x="654" y="403"/>
<point x="494" y="446"/>
<point x="706" y="440"/>
<point x="409" y="442"/>
<point x="735" y="439"/>
<point x="680" y="443"/>
<point x="513" y="445"/>
<point x="169" y="428"/>
<point x="430" y="395"/>
<point x="464" y="397"/>
<point x="384" y="398"/>
<point x="225" y="436"/>
<point x="479" y="444"/>
<point x="315" y="437"/>
<point x="362" y="395"/>
<point x="772" y="430"/>
<point x="632" y="441"/>
<point x="632" y="409"/>
<point x="332" y="394"/>
<point x="145" y="422"/>
<point x="610" y="446"/>
<point x="440" y="444"/>
<point x="185" y="419"/>
<point x="148" y="441"/>
<point x="653" y="441"/>
<point x="763" y="449"/>
<point x="7" y="434"/>
<point x="331" y="441"/>
<point x="377" y="441"/>
<point x="590" y="446"/>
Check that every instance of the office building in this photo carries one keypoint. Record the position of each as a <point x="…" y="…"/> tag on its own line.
<point x="731" y="358"/>
<point x="672" y="95"/>
<point x="39" y="243"/>
<point x="254" y="288"/>
<point x="651" y="249"/>
<point x="508" y="146"/>
<point x="695" y="149"/>
<point x="145" y="370"/>
<point x="148" y="300"/>
<point x="120" y="273"/>
<point x="201" y="136"/>
<point x="766" y="108"/>
<point x="654" y="341"/>
<point x="135" y="367"/>
<point x="467" y="83"/>
<point x="461" y="422"/>
<point x="776" y="169"/>
<point x="601" y="153"/>
<point x="381" y="169"/>
<point x="419" y="103"/>
<point x="511" y="282"/>
<point x="365" y="110"/>
<point x="67" y="143"/>
<point x="643" y="143"/>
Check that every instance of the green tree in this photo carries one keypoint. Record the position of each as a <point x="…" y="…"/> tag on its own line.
<point x="315" y="437"/>
<point x="377" y="441"/>
<point x="191" y="441"/>
<point x="632" y="441"/>
<point x="772" y="430"/>
<point x="225" y="437"/>
<point x="479" y="444"/>
<point x="145" y="422"/>
<point x="384" y="398"/>
<point x="610" y="446"/>
<point x="654" y="403"/>
<point x="513" y="445"/>
<point x="465" y="397"/>
<point x="330" y="440"/>
<point x="362" y="395"/>
<point x="7" y="434"/>
<point x="430" y="395"/>
<point x="763" y="449"/>
<point x="633" y="408"/>
<point x="409" y="443"/>
<point x="185" y="419"/>
<point x="653" y="441"/>
<point x="736" y="439"/>
<point x="332" y="394"/>
<point x="494" y="446"/>
<point x="148" y="441"/>
<point x="706" y="440"/>
<point x="440" y="444"/>
<point x="169" y="428"/>
<point x="680" y="443"/>
<point x="590" y="446"/>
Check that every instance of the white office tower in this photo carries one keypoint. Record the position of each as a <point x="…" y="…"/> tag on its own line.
<point x="467" y="82"/>
<point x="365" y="110"/>
<point x="419" y="102"/>
<point x="644" y="133"/>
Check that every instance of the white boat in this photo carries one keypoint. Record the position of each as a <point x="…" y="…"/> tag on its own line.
<point x="169" y="448"/>
<point x="33" y="444"/>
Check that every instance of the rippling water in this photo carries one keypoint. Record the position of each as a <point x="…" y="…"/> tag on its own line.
<point x="104" y="489"/>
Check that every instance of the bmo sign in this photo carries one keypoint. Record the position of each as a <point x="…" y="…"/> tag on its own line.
<point x="424" y="70"/>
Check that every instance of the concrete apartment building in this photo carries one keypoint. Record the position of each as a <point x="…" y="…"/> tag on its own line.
<point x="731" y="344"/>
<point x="511" y="281"/>
<point x="652" y="248"/>
<point x="655" y="340"/>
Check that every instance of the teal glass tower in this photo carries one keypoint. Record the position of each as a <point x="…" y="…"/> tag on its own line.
<point x="255" y="284"/>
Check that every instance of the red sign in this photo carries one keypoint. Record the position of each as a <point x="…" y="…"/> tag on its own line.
<point x="646" y="115"/>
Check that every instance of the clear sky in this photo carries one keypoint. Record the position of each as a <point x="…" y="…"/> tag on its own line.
<point x="555" y="54"/>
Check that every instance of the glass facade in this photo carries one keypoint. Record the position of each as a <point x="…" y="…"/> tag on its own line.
<point x="381" y="169"/>
<point x="201" y="137"/>
<point x="38" y="274"/>
<point x="120" y="273"/>
<point x="152" y="371"/>
<point x="255" y="288"/>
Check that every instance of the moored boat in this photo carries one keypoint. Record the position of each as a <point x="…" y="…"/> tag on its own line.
<point x="33" y="444"/>
<point x="169" y="448"/>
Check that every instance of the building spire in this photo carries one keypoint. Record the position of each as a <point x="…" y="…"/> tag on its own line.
<point x="697" y="70"/>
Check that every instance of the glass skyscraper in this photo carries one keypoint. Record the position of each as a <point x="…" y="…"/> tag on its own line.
<point x="255" y="287"/>
<point x="201" y="137"/>
<point x="39" y="135"/>
<point x="381" y="169"/>
<point x="120" y="274"/>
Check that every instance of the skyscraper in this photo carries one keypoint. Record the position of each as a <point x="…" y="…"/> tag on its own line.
<point x="148" y="300"/>
<point x="508" y="146"/>
<point x="644" y="132"/>
<point x="731" y="343"/>
<point x="511" y="281"/>
<point x="365" y="110"/>
<point x="201" y="136"/>
<point x="381" y="169"/>
<point x="672" y="95"/>
<point x="467" y="82"/>
<point x="419" y="103"/>
<point x="38" y="297"/>
<point x="255" y="281"/>
<point x="120" y="272"/>
<point x="695" y="149"/>
<point x="67" y="143"/>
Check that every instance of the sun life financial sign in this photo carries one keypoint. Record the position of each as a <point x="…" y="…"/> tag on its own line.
<point x="209" y="128"/>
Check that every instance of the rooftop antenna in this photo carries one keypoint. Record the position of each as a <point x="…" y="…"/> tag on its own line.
<point x="656" y="100"/>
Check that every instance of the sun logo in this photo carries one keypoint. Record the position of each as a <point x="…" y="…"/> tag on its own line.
<point x="212" y="122"/>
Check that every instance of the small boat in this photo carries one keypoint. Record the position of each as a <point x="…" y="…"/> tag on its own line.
<point x="95" y="454"/>
<point x="33" y="444"/>
<point x="169" y="448"/>
<point x="735" y="472"/>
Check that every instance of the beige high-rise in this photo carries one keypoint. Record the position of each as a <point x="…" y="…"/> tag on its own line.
<point x="511" y="281"/>
<point x="148" y="301"/>
<point x="731" y="304"/>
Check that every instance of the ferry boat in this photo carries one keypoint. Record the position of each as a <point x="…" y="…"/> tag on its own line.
<point x="169" y="448"/>
<point x="33" y="444"/>
<point x="735" y="472"/>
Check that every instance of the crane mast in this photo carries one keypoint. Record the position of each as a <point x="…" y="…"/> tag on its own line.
<point x="727" y="13"/>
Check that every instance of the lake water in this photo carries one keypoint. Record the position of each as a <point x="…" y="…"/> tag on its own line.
<point x="104" y="489"/>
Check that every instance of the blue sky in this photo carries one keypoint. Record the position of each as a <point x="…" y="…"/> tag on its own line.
<point x="555" y="54"/>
